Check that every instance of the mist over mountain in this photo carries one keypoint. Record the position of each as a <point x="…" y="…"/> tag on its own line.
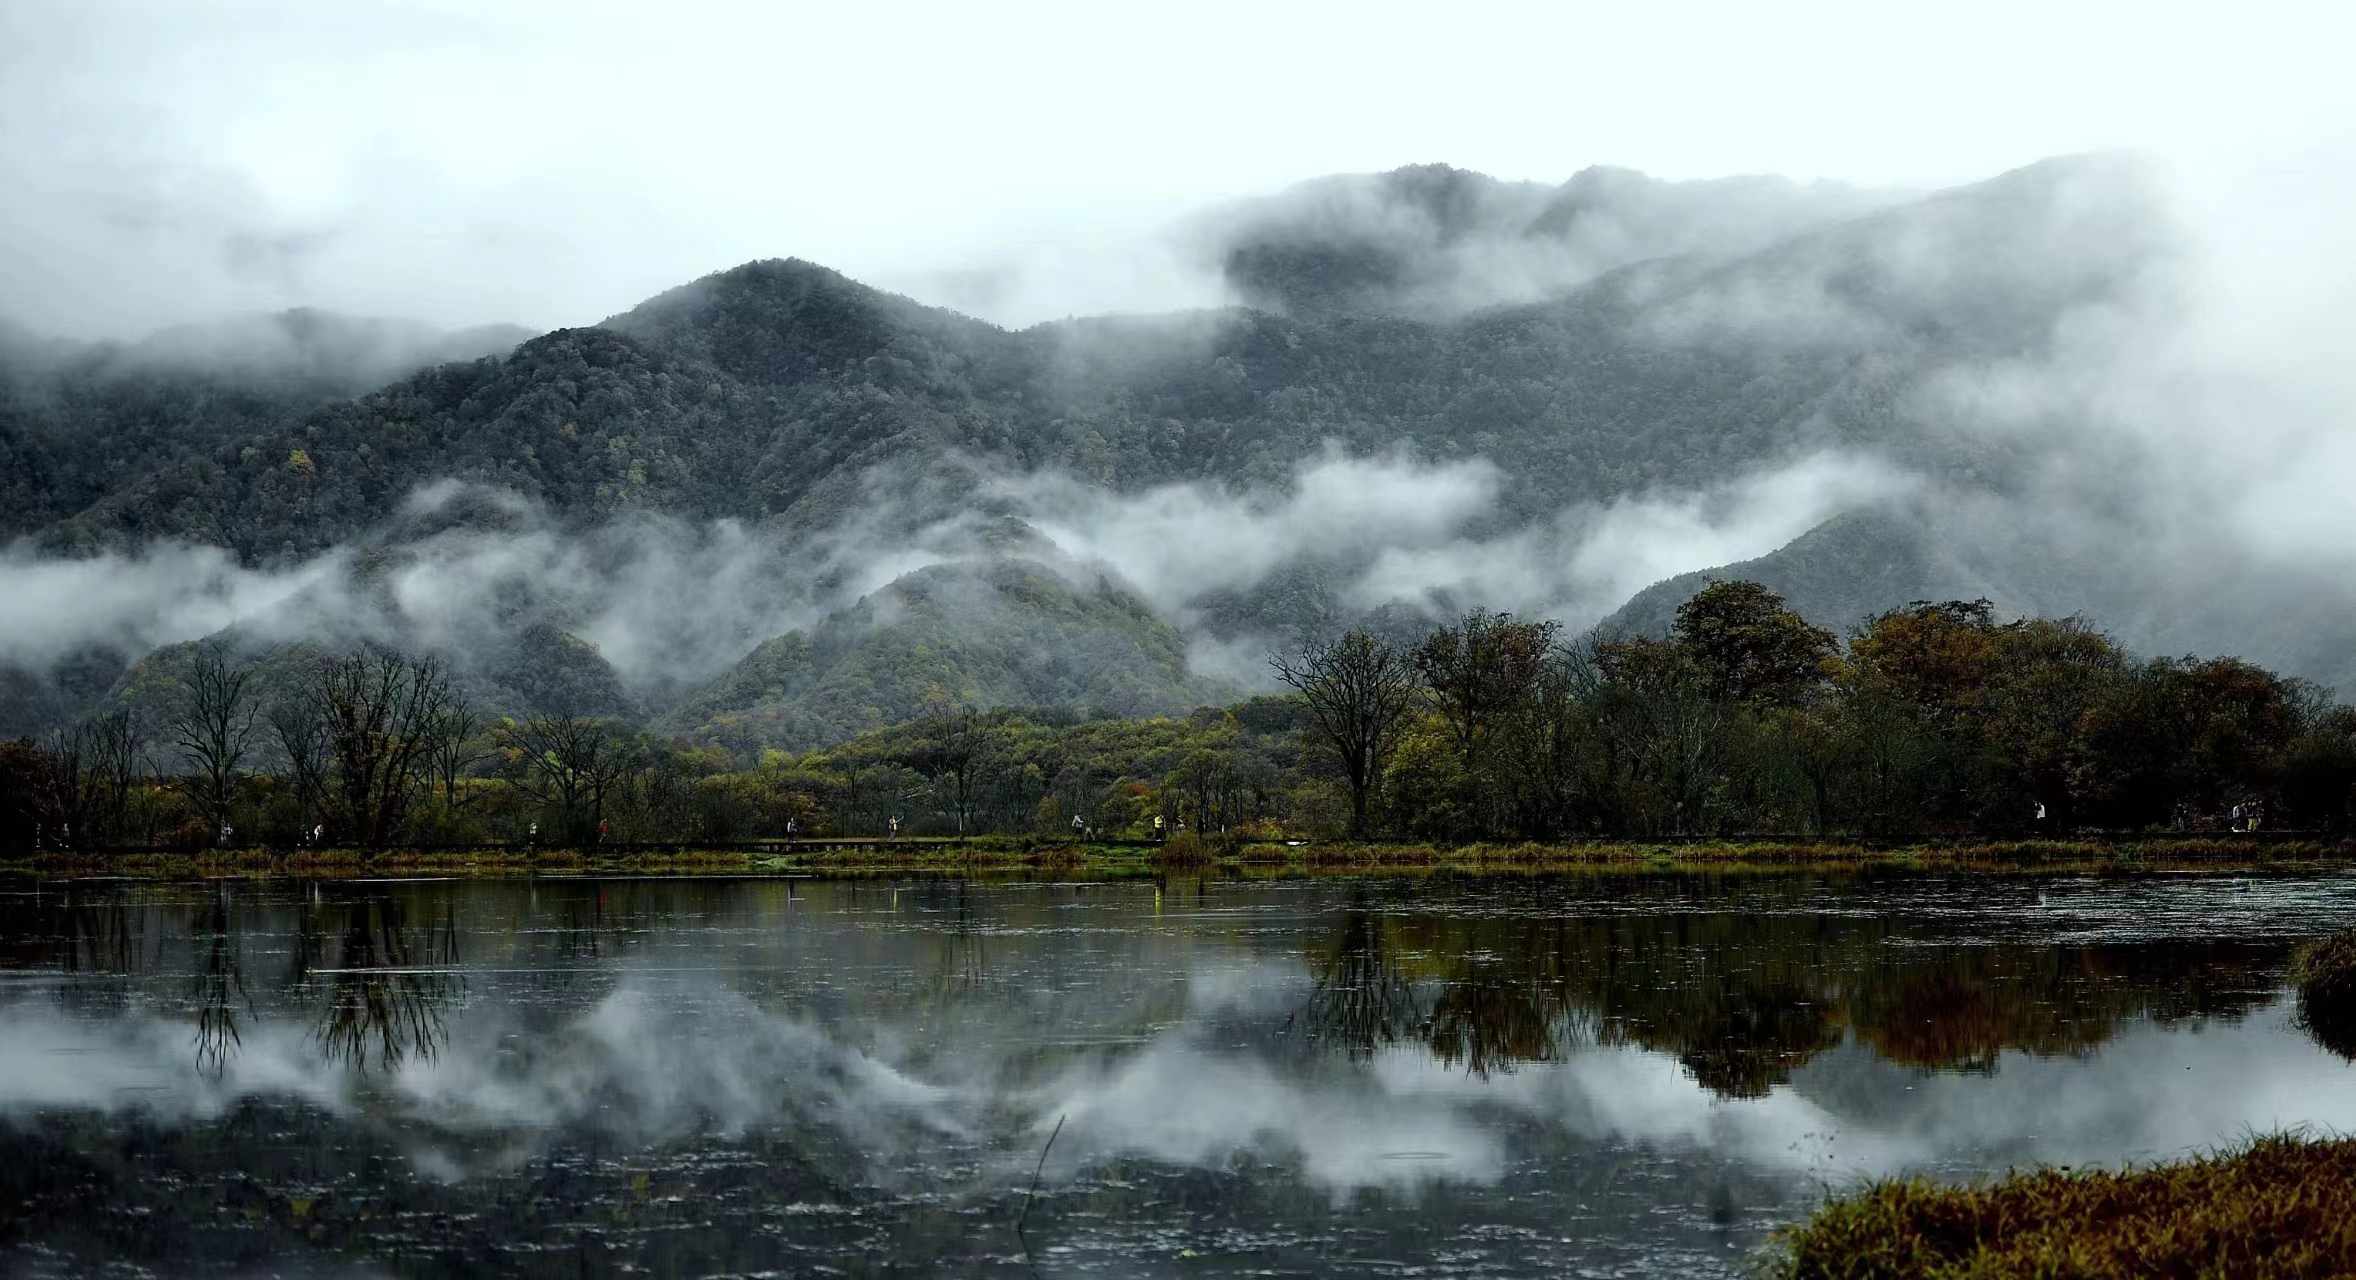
<point x="79" y="418"/>
<point x="1435" y="242"/>
<point x="775" y="506"/>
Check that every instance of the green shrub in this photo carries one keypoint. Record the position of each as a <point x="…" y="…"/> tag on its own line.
<point x="1186" y="849"/>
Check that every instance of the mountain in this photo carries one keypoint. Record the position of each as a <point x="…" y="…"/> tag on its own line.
<point x="1435" y="242"/>
<point x="1837" y="575"/>
<point x="79" y="420"/>
<point x="1445" y="391"/>
<point x="773" y="390"/>
<point x="993" y="633"/>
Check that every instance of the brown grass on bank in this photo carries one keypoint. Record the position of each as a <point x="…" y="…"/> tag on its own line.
<point x="2280" y="1207"/>
<point x="1014" y="855"/>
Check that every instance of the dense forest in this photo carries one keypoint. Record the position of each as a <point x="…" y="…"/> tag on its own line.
<point x="1746" y="719"/>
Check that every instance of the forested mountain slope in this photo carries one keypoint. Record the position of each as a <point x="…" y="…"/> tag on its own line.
<point x="80" y="421"/>
<point x="771" y="390"/>
<point x="1609" y="350"/>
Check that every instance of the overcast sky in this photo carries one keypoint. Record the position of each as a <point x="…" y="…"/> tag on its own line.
<point x="552" y="163"/>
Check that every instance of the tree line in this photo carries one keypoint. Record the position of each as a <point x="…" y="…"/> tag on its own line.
<point x="1934" y="719"/>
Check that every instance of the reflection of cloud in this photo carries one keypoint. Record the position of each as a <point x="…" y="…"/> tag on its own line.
<point x="144" y="1063"/>
<point x="2149" y="1093"/>
<point x="637" y="1066"/>
<point x="1182" y="1104"/>
<point x="1402" y="1119"/>
<point x="657" y="1062"/>
<point x="654" y="1066"/>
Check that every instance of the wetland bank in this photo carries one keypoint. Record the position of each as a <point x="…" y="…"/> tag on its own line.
<point x="1645" y="1073"/>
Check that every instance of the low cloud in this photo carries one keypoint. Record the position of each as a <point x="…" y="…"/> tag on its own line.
<point x="166" y="594"/>
<point x="670" y="603"/>
<point x="1591" y="559"/>
<point x="1179" y="543"/>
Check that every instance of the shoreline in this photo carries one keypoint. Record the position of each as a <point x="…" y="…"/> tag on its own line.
<point x="1018" y="857"/>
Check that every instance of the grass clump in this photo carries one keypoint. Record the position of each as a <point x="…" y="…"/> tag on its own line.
<point x="2325" y="974"/>
<point x="2280" y="1207"/>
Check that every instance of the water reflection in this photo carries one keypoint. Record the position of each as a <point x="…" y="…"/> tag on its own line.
<point x="388" y="983"/>
<point x="75" y="927"/>
<point x="1743" y="1000"/>
<point x="220" y="983"/>
<point x="1363" y="1000"/>
<point x="1501" y="1077"/>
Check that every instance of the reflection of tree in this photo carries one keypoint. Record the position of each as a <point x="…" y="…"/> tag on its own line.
<point x="1744" y="1040"/>
<point x="1361" y="1002"/>
<point x="962" y="956"/>
<point x="74" y="927"/>
<point x="1488" y="1022"/>
<point x="386" y="988"/>
<point x="220" y="983"/>
<point x="82" y="928"/>
<point x="1960" y="1009"/>
<point x="1743" y="999"/>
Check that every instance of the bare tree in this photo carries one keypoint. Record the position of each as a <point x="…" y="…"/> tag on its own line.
<point x="113" y="744"/>
<point x="959" y="756"/>
<point x="1359" y="692"/>
<point x="457" y="747"/>
<point x="301" y="735"/>
<point x="570" y="762"/>
<point x="380" y="711"/>
<point x="214" y="731"/>
<point x="64" y="785"/>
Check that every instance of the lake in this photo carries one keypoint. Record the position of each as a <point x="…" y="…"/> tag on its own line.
<point x="1600" y="1075"/>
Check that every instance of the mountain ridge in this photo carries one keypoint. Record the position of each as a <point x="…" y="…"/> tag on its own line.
<point x="827" y="416"/>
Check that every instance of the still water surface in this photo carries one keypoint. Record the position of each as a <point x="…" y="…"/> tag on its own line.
<point x="1524" y="1077"/>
